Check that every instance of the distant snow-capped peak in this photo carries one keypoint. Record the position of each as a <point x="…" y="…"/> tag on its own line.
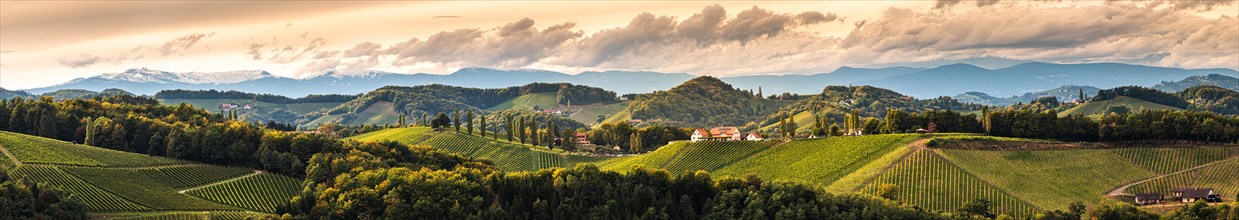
<point x="145" y="75"/>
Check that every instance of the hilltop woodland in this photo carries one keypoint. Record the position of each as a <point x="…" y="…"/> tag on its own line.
<point x="432" y="99"/>
<point x="269" y="98"/>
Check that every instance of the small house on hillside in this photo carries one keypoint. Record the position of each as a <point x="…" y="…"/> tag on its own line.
<point x="753" y="136"/>
<point x="1193" y="194"/>
<point x="699" y="134"/>
<point x="1148" y="198"/>
<point x="921" y="131"/>
<point x="725" y="133"/>
<point x="582" y="139"/>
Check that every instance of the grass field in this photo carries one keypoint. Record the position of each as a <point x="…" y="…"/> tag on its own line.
<point x="376" y="114"/>
<point x="588" y="114"/>
<point x="1099" y="107"/>
<point x="544" y="100"/>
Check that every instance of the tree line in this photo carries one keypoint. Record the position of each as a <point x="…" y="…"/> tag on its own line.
<point x="141" y="125"/>
<point x="232" y="94"/>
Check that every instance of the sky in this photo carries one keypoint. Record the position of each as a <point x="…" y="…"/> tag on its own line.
<point x="47" y="43"/>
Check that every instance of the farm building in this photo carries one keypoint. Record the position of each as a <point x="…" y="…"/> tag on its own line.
<point x="1193" y="194"/>
<point x="921" y="131"/>
<point x="1148" y="198"/>
<point x="699" y="134"/>
<point x="726" y="133"/>
<point x="753" y="136"/>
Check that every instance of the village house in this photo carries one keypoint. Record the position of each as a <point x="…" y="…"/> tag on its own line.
<point x="1189" y="195"/>
<point x="699" y="134"/>
<point x="582" y="139"/>
<point x="1148" y="198"/>
<point x="725" y="133"/>
<point x="753" y="136"/>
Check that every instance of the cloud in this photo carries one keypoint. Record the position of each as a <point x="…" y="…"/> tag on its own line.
<point x="512" y="45"/>
<point x="7" y="51"/>
<point x="446" y="16"/>
<point x="182" y="43"/>
<point x="79" y="61"/>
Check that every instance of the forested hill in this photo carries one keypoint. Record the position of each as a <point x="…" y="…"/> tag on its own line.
<point x="835" y="102"/>
<point x="233" y="94"/>
<point x="1219" y="80"/>
<point x="1212" y="98"/>
<point x="384" y="104"/>
<point x="701" y="102"/>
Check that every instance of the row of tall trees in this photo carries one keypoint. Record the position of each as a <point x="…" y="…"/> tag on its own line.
<point x="634" y="139"/>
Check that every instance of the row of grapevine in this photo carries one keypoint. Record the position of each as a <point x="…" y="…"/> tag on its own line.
<point x="95" y="198"/>
<point x="197" y="175"/>
<point x="651" y="159"/>
<point x="261" y="192"/>
<point x="145" y="186"/>
<point x="163" y="216"/>
<point x="40" y="150"/>
<point x="710" y="155"/>
<point x="1169" y="160"/>
<point x="1052" y="179"/>
<point x="822" y="160"/>
<point x="1223" y="177"/>
<point x="237" y="215"/>
<point x="929" y="181"/>
<point x="545" y="160"/>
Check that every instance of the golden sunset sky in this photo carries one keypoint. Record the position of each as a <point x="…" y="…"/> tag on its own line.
<point x="46" y="43"/>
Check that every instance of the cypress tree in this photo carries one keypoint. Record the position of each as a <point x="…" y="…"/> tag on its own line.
<point x="469" y="121"/>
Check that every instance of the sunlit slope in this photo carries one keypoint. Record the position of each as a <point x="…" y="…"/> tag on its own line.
<point x="1100" y="107"/>
<point x="115" y="181"/>
<point x="507" y="155"/>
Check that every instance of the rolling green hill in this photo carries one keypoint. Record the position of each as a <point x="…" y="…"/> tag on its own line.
<point x="433" y="99"/>
<point x="129" y="185"/>
<point x="506" y="155"/>
<point x="700" y="102"/>
<point x="545" y="100"/>
<point x="588" y="114"/>
<point x="262" y="107"/>
<point x="1101" y="107"/>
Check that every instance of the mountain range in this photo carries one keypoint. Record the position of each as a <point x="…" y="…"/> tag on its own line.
<point x="946" y="80"/>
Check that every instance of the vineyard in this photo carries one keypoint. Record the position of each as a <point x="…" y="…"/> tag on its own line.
<point x="135" y="186"/>
<point x="96" y="198"/>
<point x="711" y="155"/>
<point x="38" y="150"/>
<point x="145" y="186"/>
<point x="926" y="180"/>
<point x="818" y="160"/>
<point x="1222" y="177"/>
<point x="507" y="156"/>
<point x="1051" y="179"/>
<point x="262" y="192"/>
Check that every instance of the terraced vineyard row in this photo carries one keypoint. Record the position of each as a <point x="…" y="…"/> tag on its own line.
<point x="197" y="175"/>
<point x="164" y="216"/>
<point x="652" y="159"/>
<point x="262" y="192"/>
<point x="1052" y="179"/>
<point x="39" y="150"/>
<point x="1223" y="177"/>
<point x="926" y="180"/>
<point x="1169" y="160"/>
<point x="818" y="160"/>
<point x="145" y="186"/>
<point x="710" y="155"/>
<point x="94" y="197"/>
